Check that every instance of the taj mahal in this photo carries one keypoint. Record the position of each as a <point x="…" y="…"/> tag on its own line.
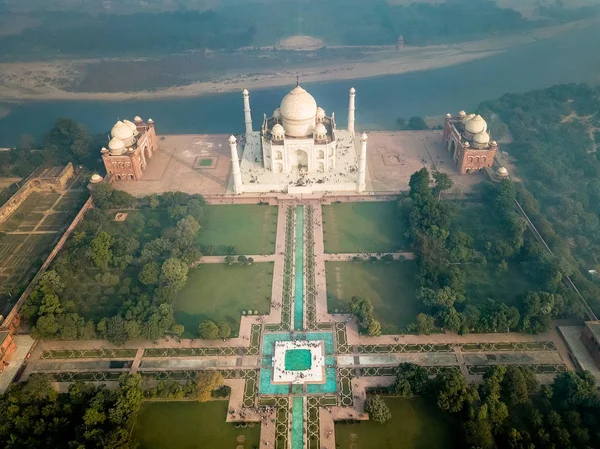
<point x="298" y="149"/>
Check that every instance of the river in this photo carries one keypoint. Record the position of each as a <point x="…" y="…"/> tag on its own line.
<point x="572" y="57"/>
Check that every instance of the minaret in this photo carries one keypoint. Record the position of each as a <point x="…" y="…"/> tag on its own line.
<point x="362" y="164"/>
<point x="247" y="116"/>
<point x="235" y="167"/>
<point x="351" y="111"/>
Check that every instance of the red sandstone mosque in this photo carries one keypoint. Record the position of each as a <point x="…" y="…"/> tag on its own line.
<point x="130" y="149"/>
<point x="467" y="139"/>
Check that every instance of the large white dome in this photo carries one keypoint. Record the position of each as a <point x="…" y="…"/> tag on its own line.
<point x="476" y="125"/>
<point x="298" y="112"/>
<point x="121" y="131"/>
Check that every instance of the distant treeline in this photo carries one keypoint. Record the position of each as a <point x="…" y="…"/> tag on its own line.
<point x="72" y="33"/>
<point x="260" y="23"/>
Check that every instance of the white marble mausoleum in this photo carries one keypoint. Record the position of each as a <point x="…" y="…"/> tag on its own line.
<point x="298" y="149"/>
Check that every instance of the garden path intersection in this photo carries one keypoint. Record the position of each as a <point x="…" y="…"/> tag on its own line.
<point x="299" y="368"/>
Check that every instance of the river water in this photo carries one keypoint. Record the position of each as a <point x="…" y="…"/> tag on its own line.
<point x="572" y="57"/>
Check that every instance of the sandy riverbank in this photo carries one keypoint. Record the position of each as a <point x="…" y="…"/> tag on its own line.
<point x="50" y="80"/>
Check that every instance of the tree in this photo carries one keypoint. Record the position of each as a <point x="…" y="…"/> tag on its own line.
<point x="377" y="409"/>
<point x="451" y="391"/>
<point x="419" y="183"/>
<point x="417" y="123"/>
<point x="208" y="330"/>
<point x="115" y="330"/>
<point x="374" y="328"/>
<point x="100" y="251"/>
<point x="173" y="272"/>
<point x="178" y="329"/>
<point x="425" y="324"/>
<point x="69" y="139"/>
<point x="229" y="260"/>
<point x="411" y="380"/>
<point x="442" y="181"/>
<point x="207" y="382"/>
<point x="149" y="273"/>
<point x="243" y="260"/>
<point x="186" y="230"/>
<point x="224" y="330"/>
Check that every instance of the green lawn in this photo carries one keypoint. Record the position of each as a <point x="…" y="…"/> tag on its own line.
<point x="191" y="425"/>
<point x="362" y="227"/>
<point x="483" y="282"/>
<point x="390" y="287"/>
<point x="415" y="424"/>
<point x="220" y="293"/>
<point x="250" y="229"/>
<point x="475" y="219"/>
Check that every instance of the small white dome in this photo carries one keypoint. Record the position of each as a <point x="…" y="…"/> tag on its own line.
<point x="502" y="171"/>
<point x="96" y="178"/>
<point x="150" y="120"/>
<point x="462" y="114"/>
<point x="103" y="150"/>
<point x="232" y="139"/>
<point x="116" y="146"/>
<point x="137" y="119"/>
<point x="364" y="137"/>
<point x="278" y="132"/>
<point x="277" y="114"/>
<point x="121" y="131"/>
<point x="481" y="137"/>
<point x="476" y="125"/>
<point x="448" y="115"/>
<point x="467" y="118"/>
<point x="320" y="130"/>
<point x="245" y="92"/>
<point x="320" y="112"/>
<point x="352" y="90"/>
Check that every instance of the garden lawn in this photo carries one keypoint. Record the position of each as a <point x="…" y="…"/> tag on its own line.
<point x="390" y="287"/>
<point x="250" y="229"/>
<point x="191" y="425"/>
<point x="475" y="219"/>
<point x="483" y="282"/>
<point x="415" y="424"/>
<point x="220" y="293"/>
<point x="362" y="227"/>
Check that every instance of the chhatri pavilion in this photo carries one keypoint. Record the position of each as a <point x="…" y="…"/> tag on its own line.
<point x="299" y="149"/>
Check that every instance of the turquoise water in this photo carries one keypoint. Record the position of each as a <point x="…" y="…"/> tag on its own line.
<point x="297" y="423"/>
<point x="297" y="360"/>
<point x="569" y="57"/>
<point x="299" y="271"/>
<point x="329" y="386"/>
<point x="266" y="387"/>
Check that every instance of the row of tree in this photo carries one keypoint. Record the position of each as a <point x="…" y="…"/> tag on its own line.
<point x="137" y="280"/>
<point x="510" y="410"/>
<point x="442" y="252"/>
<point x="34" y="415"/>
<point x="553" y="138"/>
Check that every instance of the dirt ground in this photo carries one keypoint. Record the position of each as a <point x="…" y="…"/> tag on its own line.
<point x="392" y="158"/>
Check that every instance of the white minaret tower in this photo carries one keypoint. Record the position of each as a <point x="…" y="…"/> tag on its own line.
<point x="247" y="116"/>
<point x="362" y="164"/>
<point x="351" y="111"/>
<point x="235" y="167"/>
